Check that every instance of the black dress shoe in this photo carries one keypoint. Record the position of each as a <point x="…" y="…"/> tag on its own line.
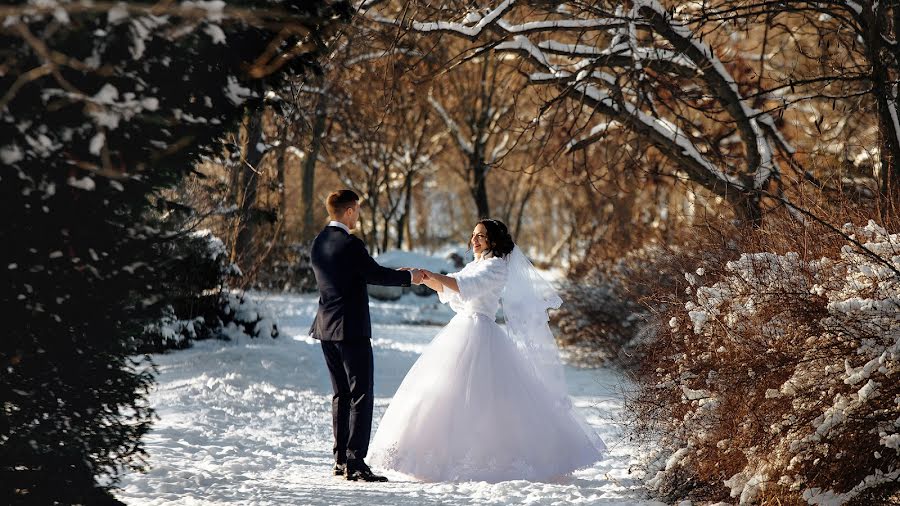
<point x="339" y="469"/>
<point x="358" y="470"/>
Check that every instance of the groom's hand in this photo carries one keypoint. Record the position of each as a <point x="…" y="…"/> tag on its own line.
<point x="417" y="276"/>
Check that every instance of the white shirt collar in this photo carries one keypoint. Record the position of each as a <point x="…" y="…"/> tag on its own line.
<point x="338" y="224"/>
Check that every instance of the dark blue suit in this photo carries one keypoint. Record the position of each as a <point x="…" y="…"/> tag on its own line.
<point x="343" y="269"/>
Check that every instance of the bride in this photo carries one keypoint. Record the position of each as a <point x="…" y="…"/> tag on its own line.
<point x="483" y="403"/>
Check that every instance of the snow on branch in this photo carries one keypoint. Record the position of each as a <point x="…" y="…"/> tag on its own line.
<point x="564" y="25"/>
<point x="471" y="32"/>
<point x="717" y="78"/>
<point x="630" y="78"/>
<point x="596" y="133"/>
<point x="667" y="136"/>
<point x="464" y="144"/>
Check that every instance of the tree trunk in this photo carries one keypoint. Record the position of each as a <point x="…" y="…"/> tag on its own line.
<point x="480" y="127"/>
<point x="883" y="92"/>
<point x="479" y="189"/>
<point x="421" y="206"/>
<point x="250" y="166"/>
<point x="892" y="184"/>
<point x="363" y="232"/>
<point x="279" y="167"/>
<point x="403" y="223"/>
<point x="234" y="187"/>
<point x="309" y="168"/>
<point x="521" y="211"/>
<point x="385" y="237"/>
<point x="887" y="173"/>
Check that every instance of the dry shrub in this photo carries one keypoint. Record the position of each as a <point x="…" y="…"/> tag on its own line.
<point x="604" y="317"/>
<point x="615" y="295"/>
<point x="774" y="376"/>
<point x="286" y="268"/>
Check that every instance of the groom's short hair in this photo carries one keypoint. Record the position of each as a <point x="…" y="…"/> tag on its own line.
<point x="338" y="202"/>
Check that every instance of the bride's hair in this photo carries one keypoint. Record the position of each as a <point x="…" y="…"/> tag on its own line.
<point x="500" y="243"/>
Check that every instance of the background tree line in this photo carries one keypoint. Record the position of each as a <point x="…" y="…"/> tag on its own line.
<point x="623" y="123"/>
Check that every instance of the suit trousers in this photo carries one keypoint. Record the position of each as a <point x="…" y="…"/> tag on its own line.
<point x="351" y="366"/>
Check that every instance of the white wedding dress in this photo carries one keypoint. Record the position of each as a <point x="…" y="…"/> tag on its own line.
<point x="474" y="407"/>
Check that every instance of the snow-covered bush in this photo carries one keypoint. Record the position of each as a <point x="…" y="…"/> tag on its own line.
<point x="200" y="305"/>
<point x="242" y="317"/>
<point x="779" y="378"/>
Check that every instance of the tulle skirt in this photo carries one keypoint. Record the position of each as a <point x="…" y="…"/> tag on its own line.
<point x="471" y="409"/>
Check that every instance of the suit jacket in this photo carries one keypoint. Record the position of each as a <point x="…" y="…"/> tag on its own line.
<point x="343" y="268"/>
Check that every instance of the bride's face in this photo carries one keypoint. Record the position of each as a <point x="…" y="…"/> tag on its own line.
<point x="479" y="239"/>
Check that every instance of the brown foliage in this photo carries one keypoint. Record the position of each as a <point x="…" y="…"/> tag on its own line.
<point x="752" y="362"/>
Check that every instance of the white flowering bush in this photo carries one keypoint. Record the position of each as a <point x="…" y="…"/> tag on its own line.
<point x="777" y="381"/>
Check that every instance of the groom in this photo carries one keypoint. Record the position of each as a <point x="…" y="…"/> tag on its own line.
<point x="343" y="268"/>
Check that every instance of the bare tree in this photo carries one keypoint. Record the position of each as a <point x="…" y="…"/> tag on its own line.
<point x="384" y="156"/>
<point x="475" y="101"/>
<point x="250" y="214"/>
<point x="316" y="138"/>
<point x="642" y="68"/>
<point x="847" y="60"/>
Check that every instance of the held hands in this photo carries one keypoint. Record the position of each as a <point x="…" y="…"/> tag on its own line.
<point x="431" y="281"/>
<point x="419" y="276"/>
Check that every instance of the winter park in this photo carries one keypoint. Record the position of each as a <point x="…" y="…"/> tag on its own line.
<point x="409" y="253"/>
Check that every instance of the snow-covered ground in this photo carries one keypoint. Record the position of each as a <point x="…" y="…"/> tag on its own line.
<point x="248" y="422"/>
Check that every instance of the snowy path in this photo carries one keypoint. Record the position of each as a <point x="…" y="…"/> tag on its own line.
<point x="249" y="423"/>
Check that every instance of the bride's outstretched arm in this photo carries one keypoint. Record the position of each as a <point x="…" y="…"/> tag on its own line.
<point x="441" y="281"/>
<point x="433" y="284"/>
